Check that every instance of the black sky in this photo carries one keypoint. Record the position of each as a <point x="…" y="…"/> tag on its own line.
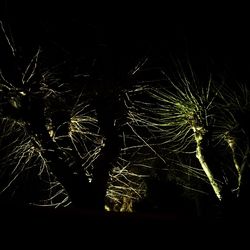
<point x="204" y="33"/>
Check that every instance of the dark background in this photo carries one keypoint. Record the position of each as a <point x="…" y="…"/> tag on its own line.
<point x="211" y="36"/>
<point x="214" y="38"/>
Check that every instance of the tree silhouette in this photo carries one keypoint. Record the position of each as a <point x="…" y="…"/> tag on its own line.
<point x="198" y="130"/>
<point x="63" y="135"/>
<point x="93" y="142"/>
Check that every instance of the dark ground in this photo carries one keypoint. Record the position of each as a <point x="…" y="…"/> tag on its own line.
<point x="34" y="228"/>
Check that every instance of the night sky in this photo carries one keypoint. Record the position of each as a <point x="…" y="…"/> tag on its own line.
<point x="210" y="36"/>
